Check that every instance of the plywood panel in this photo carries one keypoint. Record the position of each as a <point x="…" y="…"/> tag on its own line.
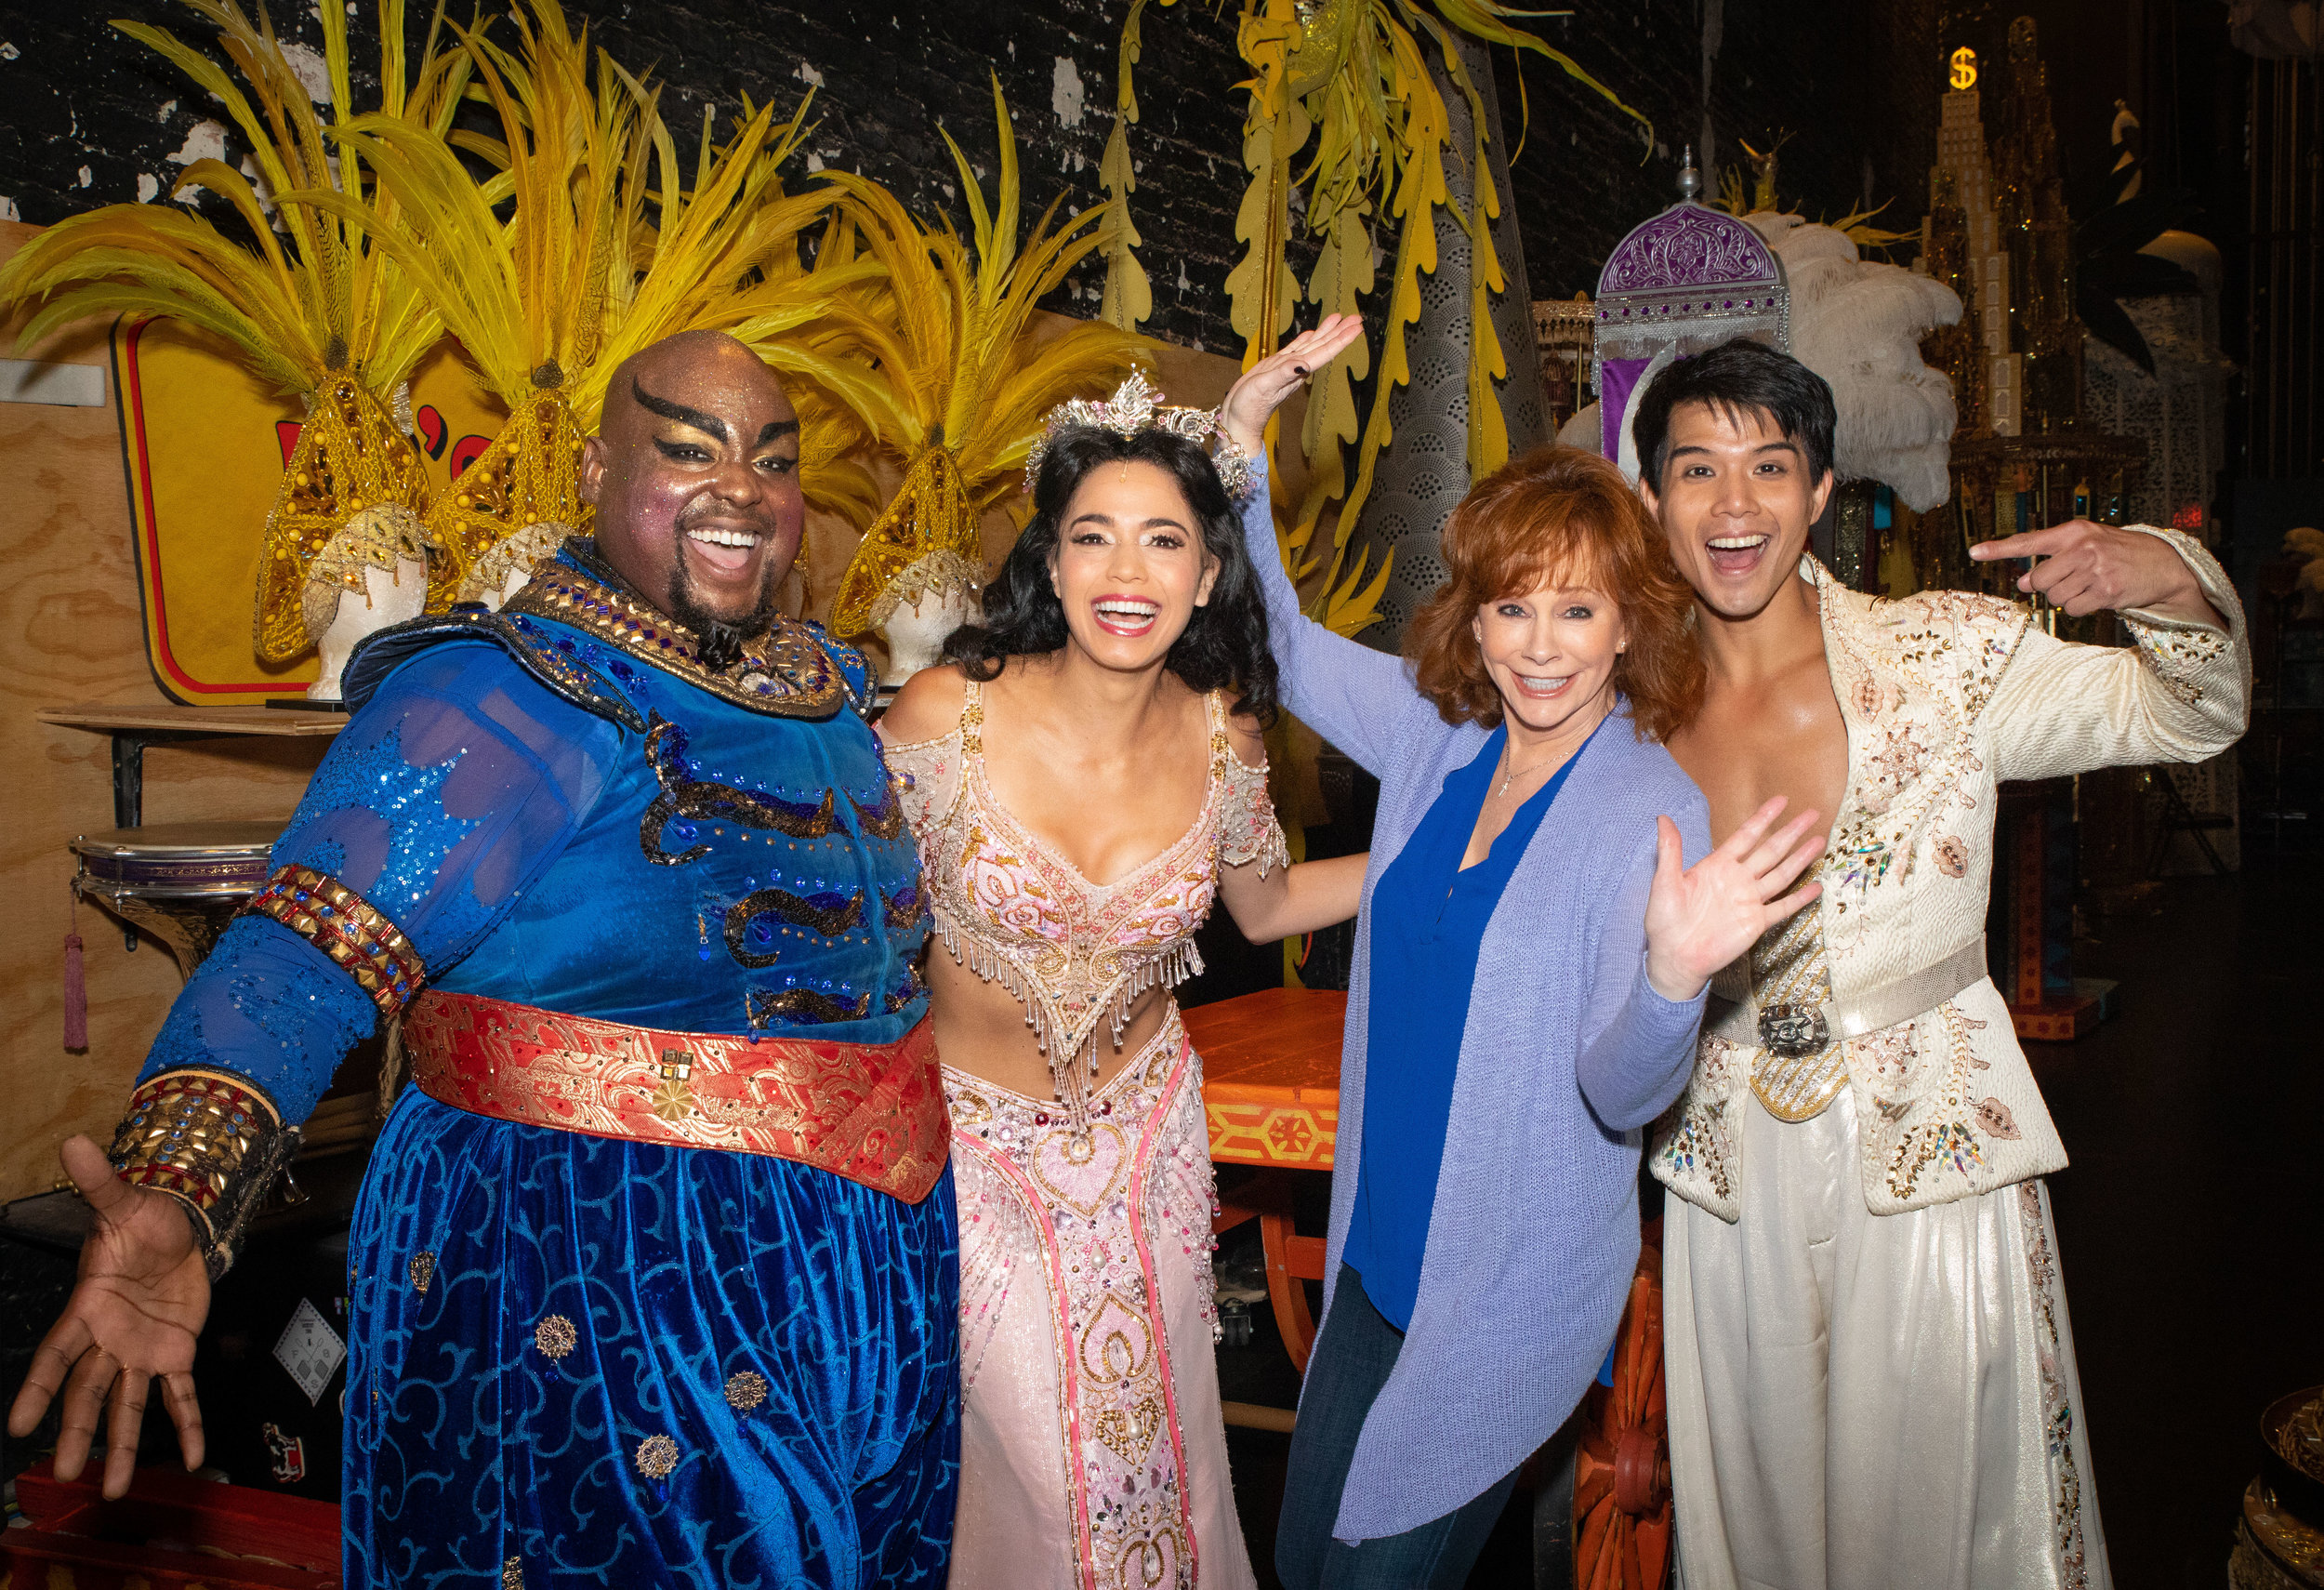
<point x="70" y="633"/>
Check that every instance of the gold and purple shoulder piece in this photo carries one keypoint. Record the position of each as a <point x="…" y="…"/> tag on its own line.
<point x="788" y="672"/>
<point x="355" y="934"/>
<point x="855" y="669"/>
<point x="211" y="1140"/>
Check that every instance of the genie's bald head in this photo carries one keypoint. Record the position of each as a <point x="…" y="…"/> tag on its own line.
<point x="694" y="476"/>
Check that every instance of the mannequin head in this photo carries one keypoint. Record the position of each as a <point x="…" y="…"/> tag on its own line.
<point x="390" y="596"/>
<point x="916" y="630"/>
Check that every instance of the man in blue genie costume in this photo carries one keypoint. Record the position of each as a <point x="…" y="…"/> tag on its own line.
<point x="654" y="1274"/>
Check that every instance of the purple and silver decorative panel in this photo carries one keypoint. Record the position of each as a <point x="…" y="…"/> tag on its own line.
<point x="1691" y="277"/>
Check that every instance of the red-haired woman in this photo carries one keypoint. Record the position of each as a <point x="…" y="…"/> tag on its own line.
<point x="1530" y="967"/>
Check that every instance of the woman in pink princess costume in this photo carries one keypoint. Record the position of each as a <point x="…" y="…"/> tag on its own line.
<point x="1085" y="777"/>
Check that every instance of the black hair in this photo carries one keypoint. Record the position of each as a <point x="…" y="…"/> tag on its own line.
<point x="1224" y="645"/>
<point x="1735" y="378"/>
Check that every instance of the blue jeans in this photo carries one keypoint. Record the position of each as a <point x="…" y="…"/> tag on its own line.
<point x="1352" y="1360"/>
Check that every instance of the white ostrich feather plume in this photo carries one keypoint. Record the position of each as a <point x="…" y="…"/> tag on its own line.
<point x="1858" y="324"/>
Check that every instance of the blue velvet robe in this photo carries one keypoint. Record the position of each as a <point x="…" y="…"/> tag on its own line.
<point x="576" y="1360"/>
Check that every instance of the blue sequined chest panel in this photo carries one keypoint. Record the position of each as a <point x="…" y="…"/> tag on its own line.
<point x="738" y="873"/>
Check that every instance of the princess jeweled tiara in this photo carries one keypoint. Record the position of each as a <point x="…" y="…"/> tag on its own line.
<point x="1136" y="406"/>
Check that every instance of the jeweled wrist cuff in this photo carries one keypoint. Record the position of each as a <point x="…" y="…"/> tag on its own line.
<point x="211" y="1140"/>
<point x="346" y="927"/>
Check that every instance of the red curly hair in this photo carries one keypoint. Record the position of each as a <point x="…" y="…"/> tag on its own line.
<point x="1559" y="515"/>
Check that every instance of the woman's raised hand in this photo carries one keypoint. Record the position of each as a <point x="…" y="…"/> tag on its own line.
<point x="1700" y="918"/>
<point x="1243" y="417"/>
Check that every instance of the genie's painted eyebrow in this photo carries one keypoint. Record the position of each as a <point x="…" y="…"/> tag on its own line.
<point x="710" y="424"/>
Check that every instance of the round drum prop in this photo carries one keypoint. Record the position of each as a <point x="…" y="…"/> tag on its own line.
<point x="181" y="883"/>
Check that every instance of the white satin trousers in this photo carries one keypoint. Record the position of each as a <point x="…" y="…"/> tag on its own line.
<point x="1872" y="1402"/>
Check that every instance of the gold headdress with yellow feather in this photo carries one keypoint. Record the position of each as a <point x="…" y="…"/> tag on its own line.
<point x="319" y="311"/>
<point x="963" y="379"/>
<point x="549" y="301"/>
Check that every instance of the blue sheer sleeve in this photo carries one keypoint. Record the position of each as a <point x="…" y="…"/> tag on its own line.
<point x="459" y="782"/>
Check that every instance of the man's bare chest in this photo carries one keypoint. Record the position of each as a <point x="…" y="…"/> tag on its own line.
<point x="1786" y="738"/>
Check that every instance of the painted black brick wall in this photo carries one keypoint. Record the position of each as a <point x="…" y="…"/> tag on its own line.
<point x="86" y="114"/>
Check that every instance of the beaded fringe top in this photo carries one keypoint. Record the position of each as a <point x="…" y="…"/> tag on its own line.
<point x="1076" y="955"/>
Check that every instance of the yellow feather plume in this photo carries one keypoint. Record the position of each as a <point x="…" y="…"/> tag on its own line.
<point x="960" y="369"/>
<point x="319" y="311"/>
<point x="605" y="249"/>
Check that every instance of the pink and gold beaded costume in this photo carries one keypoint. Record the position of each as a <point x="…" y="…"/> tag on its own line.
<point x="1094" y="1453"/>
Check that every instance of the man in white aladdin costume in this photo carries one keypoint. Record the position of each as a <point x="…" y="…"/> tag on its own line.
<point x="1870" y="1371"/>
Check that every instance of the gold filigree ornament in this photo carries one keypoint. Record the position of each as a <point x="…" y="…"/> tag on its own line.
<point x="555" y="1336"/>
<point x="657" y="1457"/>
<point x="525" y="487"/>
<point x="924" y="540"/>
<point x="352" y="497"/>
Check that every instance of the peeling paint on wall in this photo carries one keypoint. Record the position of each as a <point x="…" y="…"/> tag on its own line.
<point x="1065" y="97"/>
<point x="204" y="141"/>
<point x="312" y="71"/>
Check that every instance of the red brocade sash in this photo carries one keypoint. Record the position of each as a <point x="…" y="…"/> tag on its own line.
<point x="871" y="1112"/>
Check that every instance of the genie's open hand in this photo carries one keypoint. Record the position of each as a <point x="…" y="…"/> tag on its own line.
<point x="132" y="1317"/>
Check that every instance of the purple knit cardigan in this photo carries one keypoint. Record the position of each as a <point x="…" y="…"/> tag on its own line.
<point x="1569" y="1052"/>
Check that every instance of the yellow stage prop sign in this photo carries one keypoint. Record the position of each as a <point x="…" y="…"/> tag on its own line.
<point x="204" y="444"/>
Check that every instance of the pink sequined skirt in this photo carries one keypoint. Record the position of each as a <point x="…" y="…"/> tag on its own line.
<point x="1092" y="1451"/>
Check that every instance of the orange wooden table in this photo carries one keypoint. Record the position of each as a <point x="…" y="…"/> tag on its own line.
<point x="1271" y="1096"/>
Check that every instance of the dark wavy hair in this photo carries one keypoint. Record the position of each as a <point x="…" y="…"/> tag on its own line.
<point x="1224" y="645"/>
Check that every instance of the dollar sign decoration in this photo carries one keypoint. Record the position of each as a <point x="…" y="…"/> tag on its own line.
<point x="1964" y="68"/>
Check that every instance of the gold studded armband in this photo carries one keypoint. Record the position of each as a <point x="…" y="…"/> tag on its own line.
<point x="353" y="933"/>
<point x="213" y="1142"/>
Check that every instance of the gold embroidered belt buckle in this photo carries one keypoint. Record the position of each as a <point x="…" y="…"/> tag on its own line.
<point x="873" y="1113"/>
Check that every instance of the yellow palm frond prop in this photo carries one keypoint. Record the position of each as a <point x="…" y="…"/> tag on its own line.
<point x="1346" y="85"/>
<point x="966" y="380"/>
<point x="1128" y="294"/>
<point x="320" y="310"/>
